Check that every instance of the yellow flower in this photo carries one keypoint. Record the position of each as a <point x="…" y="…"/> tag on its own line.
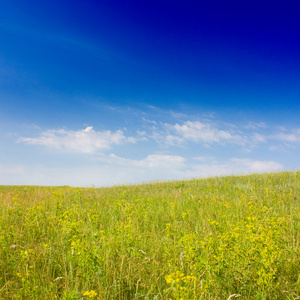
<point x="90" y="294"/>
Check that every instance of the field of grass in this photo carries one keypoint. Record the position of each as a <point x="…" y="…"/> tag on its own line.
<point x="234" y="237"/>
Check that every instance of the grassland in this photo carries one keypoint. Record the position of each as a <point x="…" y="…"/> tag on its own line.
<point x="235" y="237"/>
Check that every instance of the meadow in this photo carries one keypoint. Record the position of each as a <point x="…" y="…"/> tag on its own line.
<point x="233" y="237"/>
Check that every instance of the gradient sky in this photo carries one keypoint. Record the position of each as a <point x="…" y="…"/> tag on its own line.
<point x="112" y="92"/>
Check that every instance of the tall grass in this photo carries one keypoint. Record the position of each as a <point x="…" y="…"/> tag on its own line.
<point x="216" y="238"/>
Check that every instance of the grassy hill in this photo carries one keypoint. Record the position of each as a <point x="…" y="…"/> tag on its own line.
<point x="234" y="237"/>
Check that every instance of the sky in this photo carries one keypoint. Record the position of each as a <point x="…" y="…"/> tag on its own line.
<point x="99" y="93"/>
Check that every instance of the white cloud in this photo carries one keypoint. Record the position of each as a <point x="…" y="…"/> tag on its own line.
<point x="164" y="161"/>
<point x="255" y="125"/>
<point x="201" y="132"/>
<point x="149" y="121"/>
<point x="198" y="131"/>
<point x="258" y="166"/>
<point x="258" y="138"/>
<point x="285" y="148"/>
<point x="86" y="140"/>
<point x="234" y="166"/>
<point x="173" y="140"/>
<point x="293" y="136"/>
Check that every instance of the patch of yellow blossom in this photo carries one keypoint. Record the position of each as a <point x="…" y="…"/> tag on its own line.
<point x="90" y="294"/>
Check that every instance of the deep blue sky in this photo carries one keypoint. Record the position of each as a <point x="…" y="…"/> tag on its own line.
<point x="119" y="65"/>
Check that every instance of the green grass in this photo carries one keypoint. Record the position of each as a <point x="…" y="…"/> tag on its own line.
<point x="234" y="237"/>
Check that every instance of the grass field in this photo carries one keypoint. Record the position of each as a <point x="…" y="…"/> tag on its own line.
<point x="235" y="237"/>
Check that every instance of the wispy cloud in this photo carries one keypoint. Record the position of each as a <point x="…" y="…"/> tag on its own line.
<point x="293" y="136"/>
<point x="86" y="140"/>
<point x="234" y="166"/>
<point x="197" y="131"/>
<point x="258" y="166"/>
<point x="258" y="138"/>
<point x="149" y="121"/>
<point x="255" y="125"/>
<point x="200" y="132"/>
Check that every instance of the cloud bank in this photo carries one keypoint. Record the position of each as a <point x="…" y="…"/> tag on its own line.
<point x="156" y="150"/>
<point x="112" y="169"/>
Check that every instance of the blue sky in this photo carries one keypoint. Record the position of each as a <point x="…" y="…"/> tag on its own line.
<point x="112" y="92"/>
